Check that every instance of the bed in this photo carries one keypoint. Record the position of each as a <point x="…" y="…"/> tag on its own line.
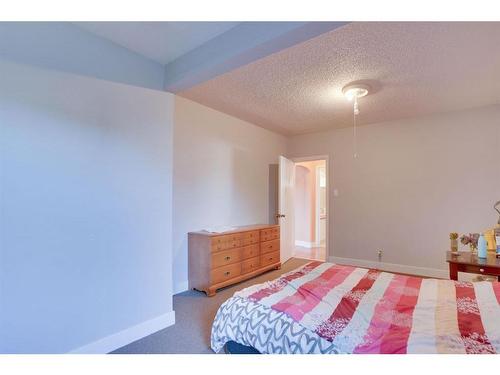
<point x="330" y="308"/>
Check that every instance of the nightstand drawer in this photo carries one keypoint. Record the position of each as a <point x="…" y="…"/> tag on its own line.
<point x="485" y="270"/>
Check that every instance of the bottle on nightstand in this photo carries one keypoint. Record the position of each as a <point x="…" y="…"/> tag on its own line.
<point x="481" y="247"/>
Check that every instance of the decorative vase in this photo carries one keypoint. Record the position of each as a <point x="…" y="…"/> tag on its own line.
<point x="454" y="242"/>
<point x="454" y="245"/>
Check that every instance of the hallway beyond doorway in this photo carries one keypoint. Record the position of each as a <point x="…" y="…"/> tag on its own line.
<point x="310" y="209"/>
<point x="313" y="253"/>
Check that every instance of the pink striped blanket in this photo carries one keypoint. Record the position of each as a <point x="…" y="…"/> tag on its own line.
<point x="325" y="307"/>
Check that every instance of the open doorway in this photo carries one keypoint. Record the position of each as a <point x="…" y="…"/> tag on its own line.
<point x="310" y="209"/>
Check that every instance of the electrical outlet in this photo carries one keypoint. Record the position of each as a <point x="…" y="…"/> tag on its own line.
<point x="380" y="253"/>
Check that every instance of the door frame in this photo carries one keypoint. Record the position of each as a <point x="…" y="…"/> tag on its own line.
<point x="284" y="164"/>
<point x="326" y="158"/>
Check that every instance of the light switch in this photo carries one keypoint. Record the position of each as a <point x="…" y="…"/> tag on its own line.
<point x="335" y="192"/>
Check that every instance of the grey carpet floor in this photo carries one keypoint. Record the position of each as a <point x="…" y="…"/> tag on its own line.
<point x="194" y="314"/>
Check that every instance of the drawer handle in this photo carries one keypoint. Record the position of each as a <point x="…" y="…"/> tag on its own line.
<point x="481" y="270"/>
<point x="271" y="258"/>
<point x="227" y="258"/>
<point x="227" y="273"/>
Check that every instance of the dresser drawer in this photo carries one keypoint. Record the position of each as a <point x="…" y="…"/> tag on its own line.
<point x="269" y="258"/>
<point x="233" y="237"/>
<point x="253" y="234"/>
<point x="225" y="257"/>
<point x="225" y="242"/>
<point x="269" y="246"/>
<point x="250" y="251"/>
<point x="221" y="274"/>
<point x="249" y="241"/>
<point x="250" y="265"/>
<point x="250" y="238"/>
<point x="269" y="234"/>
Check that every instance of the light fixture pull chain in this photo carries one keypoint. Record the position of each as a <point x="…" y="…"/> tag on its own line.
<point x="356" y="112"/>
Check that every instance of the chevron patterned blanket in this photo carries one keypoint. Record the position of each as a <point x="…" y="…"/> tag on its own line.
<point x="329" y="308"/>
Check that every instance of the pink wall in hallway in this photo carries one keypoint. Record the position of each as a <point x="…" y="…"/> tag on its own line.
<point x="305" y="200"/>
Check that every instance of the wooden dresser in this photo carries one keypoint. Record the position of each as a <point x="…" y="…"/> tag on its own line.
<point x="217" y="260"/>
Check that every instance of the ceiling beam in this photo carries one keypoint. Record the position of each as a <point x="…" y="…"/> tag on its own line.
<point x="66" y="47"/>
<point x="241" y="45"/>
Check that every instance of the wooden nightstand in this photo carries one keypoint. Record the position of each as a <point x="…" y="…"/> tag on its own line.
<point x="464" y="261"/>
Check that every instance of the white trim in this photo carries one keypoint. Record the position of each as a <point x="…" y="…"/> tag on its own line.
<point x="392" y="267"/>
<point x="309" y="158"/>
<point x="304" y="244"/>
<point x="183" y="286"/>
<point x="112" y="342"/>
<point x="307" y="258"/>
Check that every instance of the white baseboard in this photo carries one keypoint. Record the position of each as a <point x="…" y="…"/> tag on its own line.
<point x="392" y="267"/>
<point x="112" y="342"/>
<point x="304" y="244"/>
<point x="181" y="287"/>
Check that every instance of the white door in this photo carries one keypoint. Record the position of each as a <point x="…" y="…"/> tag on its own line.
<point x="286" y="205"/>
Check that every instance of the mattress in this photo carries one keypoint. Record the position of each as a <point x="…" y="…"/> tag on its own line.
<point x="329" y="308"/>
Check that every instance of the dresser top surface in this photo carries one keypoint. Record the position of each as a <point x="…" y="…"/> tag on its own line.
<point x="245" y="228"/>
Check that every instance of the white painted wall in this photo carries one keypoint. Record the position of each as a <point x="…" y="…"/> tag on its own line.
<point x="85" y="211"/>
<point x="221" y="175"/>
<point x="414" y="182"/>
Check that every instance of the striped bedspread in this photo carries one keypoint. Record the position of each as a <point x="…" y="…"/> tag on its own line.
<point x="329" y="308"/>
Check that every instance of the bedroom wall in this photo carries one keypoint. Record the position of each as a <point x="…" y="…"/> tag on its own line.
<point x="85" y="212"/>
<point x="414" y="182"/>
<point x="221" y="175"/>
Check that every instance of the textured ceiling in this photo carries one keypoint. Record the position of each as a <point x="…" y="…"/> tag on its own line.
<point x="162" y="42"/>
<point x="415" y="68"/>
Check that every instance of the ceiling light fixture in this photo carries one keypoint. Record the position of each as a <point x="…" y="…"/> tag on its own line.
<point x="353" y="92"/>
